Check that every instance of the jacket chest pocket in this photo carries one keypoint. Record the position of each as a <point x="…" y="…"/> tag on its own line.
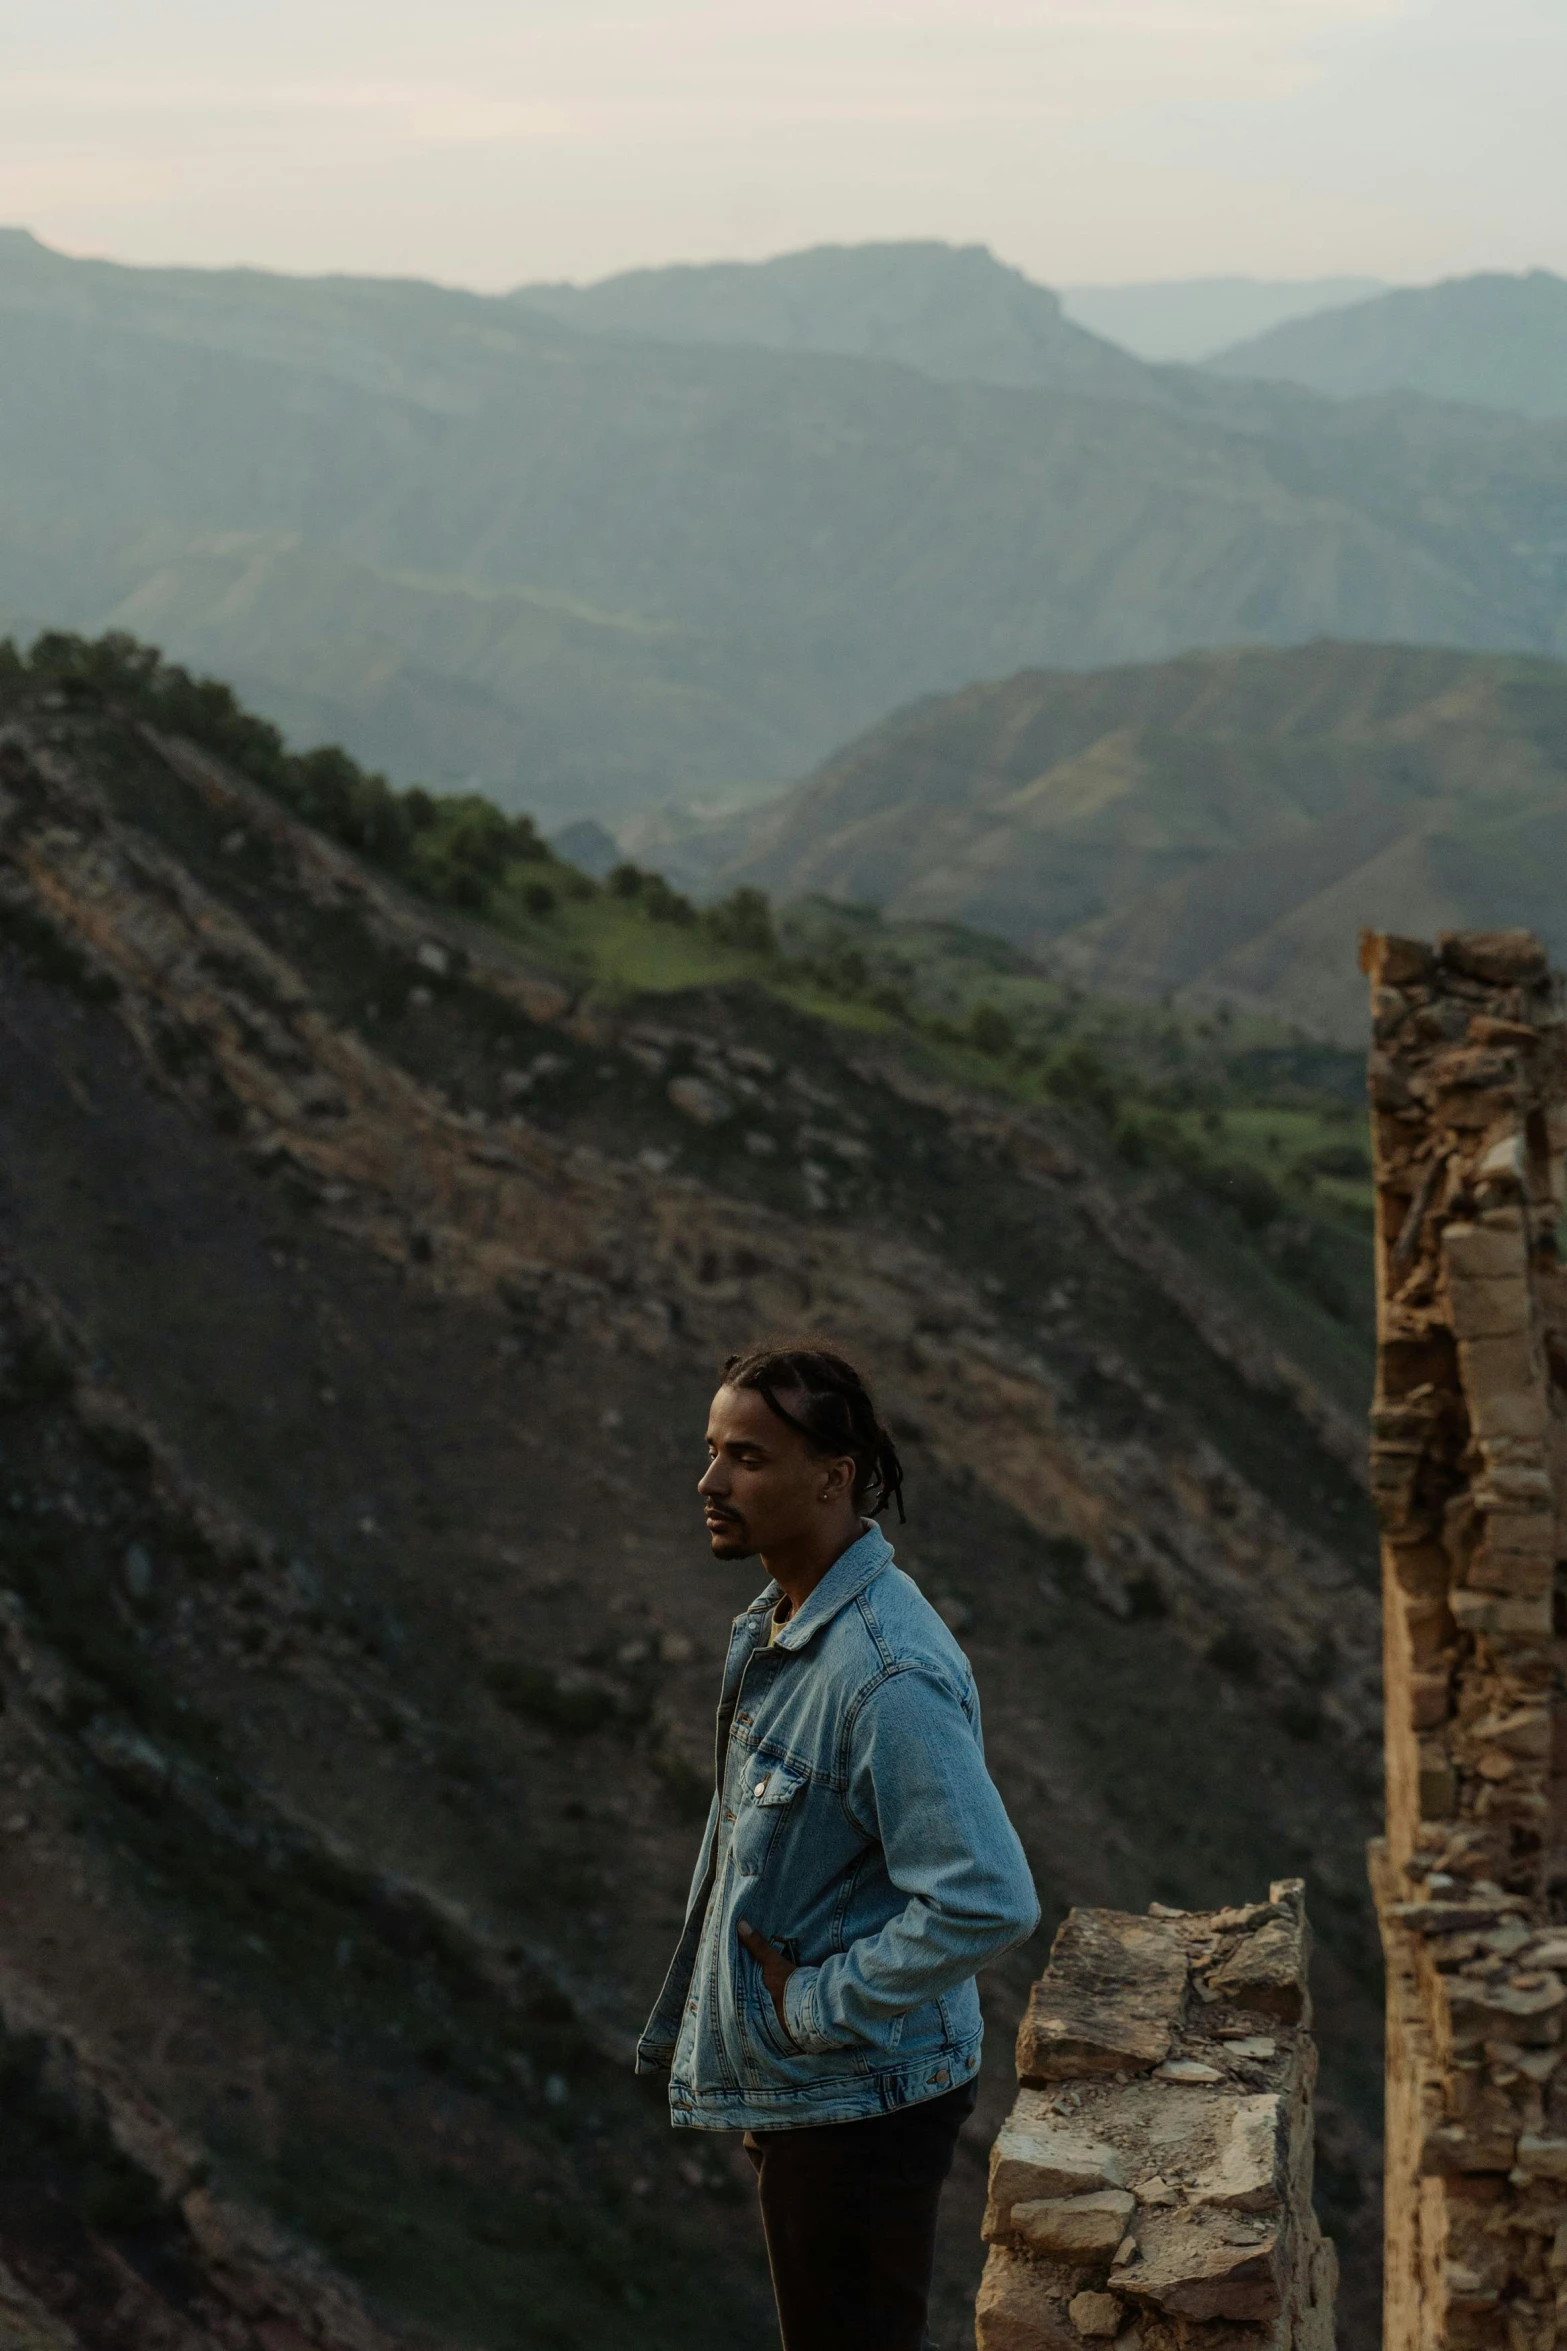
<point x="764" y="1796"/>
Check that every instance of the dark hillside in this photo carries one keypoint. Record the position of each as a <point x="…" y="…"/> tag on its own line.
<point x="363" y="1283"/>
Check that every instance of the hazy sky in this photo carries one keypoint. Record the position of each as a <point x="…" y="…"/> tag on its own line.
<point x="489" y="141"/>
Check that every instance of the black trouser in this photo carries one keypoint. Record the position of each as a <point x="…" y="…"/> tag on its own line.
<point x="849" y="2209"/>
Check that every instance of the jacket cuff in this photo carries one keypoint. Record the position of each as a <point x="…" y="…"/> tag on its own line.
<point x="803" y="2014"/>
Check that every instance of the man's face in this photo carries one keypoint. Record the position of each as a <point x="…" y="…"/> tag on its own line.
<point x="764" y="1487"/>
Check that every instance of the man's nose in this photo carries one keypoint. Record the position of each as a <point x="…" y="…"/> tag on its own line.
<point x="712" y="1480"/>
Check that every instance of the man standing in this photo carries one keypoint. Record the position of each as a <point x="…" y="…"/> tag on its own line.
<point x="857" y="1867"/>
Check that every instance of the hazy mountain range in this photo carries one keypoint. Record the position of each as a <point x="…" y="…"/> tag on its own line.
<point x="1226" y="822"/>
<point x="952" y="311"/>
<point x="1493" y="340"/>
<point x="593" y="570"/>
<point x="1191" y="318"/>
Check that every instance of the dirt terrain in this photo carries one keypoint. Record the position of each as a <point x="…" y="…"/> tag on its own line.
<point x="363" y="1291"/>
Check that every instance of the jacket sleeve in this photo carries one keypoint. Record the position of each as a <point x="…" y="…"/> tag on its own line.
<point x="919" y="1787"/>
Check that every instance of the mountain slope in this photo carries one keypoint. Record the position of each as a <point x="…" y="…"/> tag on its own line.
<point x="591" y="572"/>
<point x="1191" y="318"/>
<point x="1493" y="340"/>
<point x="1225" y="822"/>
<point x="953" y="312"/>
<point x="362" y="1288"/>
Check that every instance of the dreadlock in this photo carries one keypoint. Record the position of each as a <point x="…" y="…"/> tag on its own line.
<point x="823" y="1396"/>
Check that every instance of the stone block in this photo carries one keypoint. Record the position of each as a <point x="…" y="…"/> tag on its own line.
<point x="1484" y="1030"/>
<point x="1502" y="958"/>
<point x="1096" y="2315"/>
<point x="1246" y="2174"/>
<point x="1508" y="1490"/>
<point x="1524" y="1731"/>
<point x="1393" y="1480"/>
<point x="1016" y="2310"/>
<point x="1388" y="1086"/>
<point x="1528" y="1531"/>
<point x="1267" y="1968"/>
<point x="1110" y="2000"/>
<point x="1428" y="1629"/>
<point x="1430" y="1700"/>
<point x="1392" y="962"/>
<point x="1520" y="1413"/>
<point x="1505" y="1162"/>
<point x="1530" y="2014"/>
<point x="1526" y="1574"/>
<point x="1038" y="2154"/>
<point x="1500" y="1367"/>
<point x="1207" y="2266"/>
<point x="1436" y="1784"/>
<point x="1492" y="1309"/>
<point x="1524" y="1619"/>
<point x="1485" y="1252"/>
<point x="1468" y="1068"/>
<point x="1074" y="2228"/>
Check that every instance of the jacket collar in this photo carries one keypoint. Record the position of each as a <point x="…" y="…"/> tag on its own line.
<point x="844" y="1581"/>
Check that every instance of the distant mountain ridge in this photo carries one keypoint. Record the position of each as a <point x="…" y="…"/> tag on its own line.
<point x="1225" y="822"/>
<point x="592" y="573"/>
<point x="1493" y="340"/>
<point x="953" y="311"/>
<point x="1191" y="319"/>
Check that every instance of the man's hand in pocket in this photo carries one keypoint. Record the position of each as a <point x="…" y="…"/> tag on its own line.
<point x="776" y="1970"/>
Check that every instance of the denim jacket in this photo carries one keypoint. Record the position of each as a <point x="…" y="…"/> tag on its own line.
<point x="853" y="1823"/>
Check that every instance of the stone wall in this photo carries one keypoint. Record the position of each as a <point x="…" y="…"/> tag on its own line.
<point x="1469" y="1467"/>
<point x="1152" y="2185"/>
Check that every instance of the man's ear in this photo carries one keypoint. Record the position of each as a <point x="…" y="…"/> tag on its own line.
<point x="839" y="1478"/>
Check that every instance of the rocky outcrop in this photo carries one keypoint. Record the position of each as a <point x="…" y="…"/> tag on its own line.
<point x="1153" y="2182"/>
<point x="212" y="2270"/>
<point x="1469" y="1459"/>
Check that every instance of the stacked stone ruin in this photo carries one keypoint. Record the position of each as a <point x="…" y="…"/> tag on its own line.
<point x="1469" y="1117"/>
<point x="1152" y="2185"/>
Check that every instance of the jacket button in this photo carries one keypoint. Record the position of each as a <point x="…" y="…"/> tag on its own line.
<point x="761" y="1787"/>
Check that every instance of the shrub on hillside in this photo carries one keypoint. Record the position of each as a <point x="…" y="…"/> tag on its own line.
<point x="651" y="893"/>
<point x="991" y="1033"/>
<point x="458" y="848"/>
<point x="744" y="920"/>
<point x="1078" y="1077"/>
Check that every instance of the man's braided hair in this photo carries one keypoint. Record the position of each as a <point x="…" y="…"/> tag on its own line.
<point x="821" y="1394"/>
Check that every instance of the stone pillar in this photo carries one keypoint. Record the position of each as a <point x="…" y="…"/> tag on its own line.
<point x="1152" y="2185"/>
<point x="1468" y="1083"/>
